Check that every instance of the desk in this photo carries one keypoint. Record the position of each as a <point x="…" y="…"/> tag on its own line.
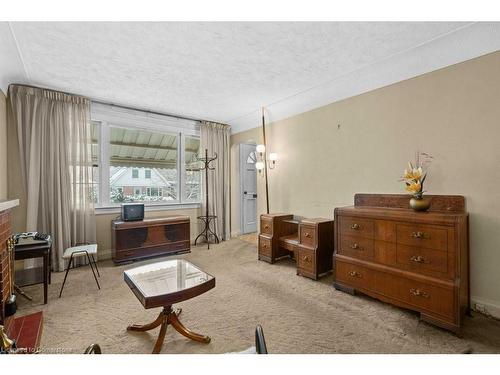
<point x="28" y="248"/>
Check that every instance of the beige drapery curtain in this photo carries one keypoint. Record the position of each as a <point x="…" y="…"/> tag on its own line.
<point x="55" y="149"/>
<point x="215" y="138"/>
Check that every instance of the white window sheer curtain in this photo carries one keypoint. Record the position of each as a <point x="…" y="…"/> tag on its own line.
<point x="55" y="147"/>
<point x="215" y="138"/>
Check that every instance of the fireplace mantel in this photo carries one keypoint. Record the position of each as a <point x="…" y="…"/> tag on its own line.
<point x="8" y="204"/>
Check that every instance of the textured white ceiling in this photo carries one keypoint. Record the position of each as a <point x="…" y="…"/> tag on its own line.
<point x="223" y="71"/>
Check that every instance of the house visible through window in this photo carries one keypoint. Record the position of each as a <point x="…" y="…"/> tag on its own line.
<point x="145" y="163"/>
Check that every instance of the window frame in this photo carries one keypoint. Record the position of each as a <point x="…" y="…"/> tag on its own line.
<point x="111" y="116"/>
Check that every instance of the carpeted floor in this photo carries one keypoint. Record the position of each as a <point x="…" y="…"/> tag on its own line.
<point x="298" y="315"/>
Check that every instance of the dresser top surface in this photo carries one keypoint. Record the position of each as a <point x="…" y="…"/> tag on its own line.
<point x="402" y="213"/>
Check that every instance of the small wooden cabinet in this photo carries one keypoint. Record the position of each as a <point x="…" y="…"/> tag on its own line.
<point x="417" y="260"/>
<point x="133" y="240"/>
<point x="272" y="227"/>
<point x="315" y="248"/>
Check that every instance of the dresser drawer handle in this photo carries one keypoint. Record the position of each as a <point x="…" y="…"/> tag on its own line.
<point x="355" y="226"/>
<point x="307" y="234"/>
<point x="354" y="274"/>
<point x="264" y="246"/>
<point x="306" y="258"/>
<point x="420" y="235"/>
<point x="419" y="259"/>
<point x="355" y="246"/>
<point x="419" y="293"/>
<point x="266" y="226"/>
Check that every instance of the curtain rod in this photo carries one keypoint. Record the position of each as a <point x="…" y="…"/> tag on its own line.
<point x="111" y="104"/>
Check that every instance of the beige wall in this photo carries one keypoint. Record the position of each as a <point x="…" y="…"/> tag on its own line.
<point x="452" y="113"/>
<point x="3" y="146"/>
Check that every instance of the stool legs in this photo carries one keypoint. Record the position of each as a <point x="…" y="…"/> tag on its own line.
<point x="91" y="261"/>
<point x="92" y="268"/>
<point x="66" y="274"/>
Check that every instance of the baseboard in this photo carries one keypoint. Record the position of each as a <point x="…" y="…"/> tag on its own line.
<point x="486" y="307"/>
<point x="235" y="233"/>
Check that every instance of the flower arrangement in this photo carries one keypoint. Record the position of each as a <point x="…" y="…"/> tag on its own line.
<point x="414" y="178"/>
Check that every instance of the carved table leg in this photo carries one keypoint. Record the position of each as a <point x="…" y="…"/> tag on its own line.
<point x="179" y="327"/>
<point x="166" y="317"/>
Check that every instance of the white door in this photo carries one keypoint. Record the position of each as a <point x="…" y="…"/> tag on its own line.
<point x="248" y="188"/>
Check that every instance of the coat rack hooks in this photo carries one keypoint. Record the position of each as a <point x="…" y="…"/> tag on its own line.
<point x="207" y="233"/>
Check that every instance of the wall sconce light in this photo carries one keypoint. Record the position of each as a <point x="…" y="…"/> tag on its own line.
<point x="260" y="150"/>
<point x="261" y="159"/>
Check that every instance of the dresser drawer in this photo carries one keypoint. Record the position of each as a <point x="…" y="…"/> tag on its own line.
<point x="306" y="260"/>
<point x="264" y="246"/>
<point x="432" y="298"/>
<point x="308" y="235"/>
<point x="354" y="275"/>
<point x="266" y="226"/>
<point x="355" y="246"/>
<point x="355" y="226"/>
<point x="421" y="259"/>
<point x="428" y="236"/>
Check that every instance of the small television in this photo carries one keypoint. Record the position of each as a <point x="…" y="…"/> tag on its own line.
<point x="132" y="211"/>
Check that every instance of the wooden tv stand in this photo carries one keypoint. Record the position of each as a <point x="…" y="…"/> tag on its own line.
<point x="308" y="241"/>
<point x="132" y="240"/>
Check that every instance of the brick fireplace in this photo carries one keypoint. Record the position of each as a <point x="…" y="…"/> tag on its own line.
<point x="5" y="268"/>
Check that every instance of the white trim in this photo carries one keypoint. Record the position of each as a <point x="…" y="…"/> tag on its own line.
<point x="148" y="208"/>
<point x="486" y="307"/>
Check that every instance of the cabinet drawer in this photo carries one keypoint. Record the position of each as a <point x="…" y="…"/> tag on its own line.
<point x="308" y="235"/>
<point x="306" y="260"/>
<point x="355" y="246"/>
<point x="354" y="275"/>
<point x="264" y="246"/>
<point x="422" y="259"/>
<point x="266" y="226"/>
<point x="354" y="226"/>
<point x="431" y="237"/>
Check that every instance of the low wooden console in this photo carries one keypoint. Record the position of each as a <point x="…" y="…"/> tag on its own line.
<point x="308" y="241"/>
<point x="133" y="240"/>
<point x="416" y="260"/>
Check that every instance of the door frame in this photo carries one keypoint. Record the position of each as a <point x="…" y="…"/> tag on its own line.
<point x="240" y="188"/>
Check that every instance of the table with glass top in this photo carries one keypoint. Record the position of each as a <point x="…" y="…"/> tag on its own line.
<point x="162" y="284"/>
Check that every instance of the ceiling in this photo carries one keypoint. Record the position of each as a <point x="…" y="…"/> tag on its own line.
<point x="226" y="71"/>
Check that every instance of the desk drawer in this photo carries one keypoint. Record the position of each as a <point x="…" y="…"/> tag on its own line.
<point x="355" y="226"/>
<point x="355" y="246"/>
<point x="428" y="236"/>
<point x="266" y="226"/>
<point x="265" y="246"/>
<point x="308" y="235"/>
<point x="306" y="260"/>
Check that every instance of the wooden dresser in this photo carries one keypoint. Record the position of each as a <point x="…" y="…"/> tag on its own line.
<point x="309" y="241"/>
<point x="416" y="260"/>
<point x="133" y="240"/>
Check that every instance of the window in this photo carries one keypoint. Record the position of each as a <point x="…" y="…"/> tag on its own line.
<point x="139" y="157"/>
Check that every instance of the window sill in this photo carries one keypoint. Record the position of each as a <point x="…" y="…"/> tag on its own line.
<point x="148" y="208"/>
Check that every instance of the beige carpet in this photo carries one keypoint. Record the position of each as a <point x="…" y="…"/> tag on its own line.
<point x="298" y="315"/>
